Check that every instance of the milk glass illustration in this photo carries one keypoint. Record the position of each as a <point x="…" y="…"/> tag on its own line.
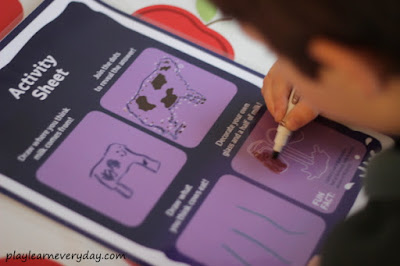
<point x="314" y="168"/>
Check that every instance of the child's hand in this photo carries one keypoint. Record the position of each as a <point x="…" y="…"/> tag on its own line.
<point x="315" y="261"/>
<point x="276" y="90"/>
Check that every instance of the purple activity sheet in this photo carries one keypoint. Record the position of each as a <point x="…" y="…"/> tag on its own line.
<point x="161" y="150"/>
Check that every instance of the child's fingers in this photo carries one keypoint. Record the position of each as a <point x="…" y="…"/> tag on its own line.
<point x="266" y="92"/>
<point x="299" y="116"/>
<point x="315" y="261"/>
<point x="276" y="91"/>
<point x="280" y="92"/>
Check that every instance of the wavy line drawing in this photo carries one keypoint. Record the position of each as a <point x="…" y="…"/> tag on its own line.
<point x="280" y="227"/>
<point x="258" y="243"/>
<point x="235" y="255"/>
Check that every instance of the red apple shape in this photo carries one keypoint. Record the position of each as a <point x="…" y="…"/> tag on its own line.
<point x="11" y="14"/>
<point x="185" y="24"/>
<point x="24" y="261"/>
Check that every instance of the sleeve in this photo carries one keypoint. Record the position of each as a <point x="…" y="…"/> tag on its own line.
<point x="370" y="237"/>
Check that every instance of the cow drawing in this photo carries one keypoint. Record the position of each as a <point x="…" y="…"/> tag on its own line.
<point x="116" y="162"/>
<point x="155" y="104"/>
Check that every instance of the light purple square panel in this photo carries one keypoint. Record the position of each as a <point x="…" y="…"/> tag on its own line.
<point x="316" y="167"/>
<point x="170" y="96"/>
<point x="113" y="168"/>
<point x="241" y="224"/>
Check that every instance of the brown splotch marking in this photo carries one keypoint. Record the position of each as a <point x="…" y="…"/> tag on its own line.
<point x="170" y="99"/>
<point x="275" y="165"/>
<point x="143" y="104"/>
<point x="158" y="81"/>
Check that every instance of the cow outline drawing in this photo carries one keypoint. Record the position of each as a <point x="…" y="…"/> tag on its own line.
<point x="168" y="91"/>
<point x="116" y="162"/>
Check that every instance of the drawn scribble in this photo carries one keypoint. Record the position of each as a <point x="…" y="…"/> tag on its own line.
<point x="314" y="165"/>
<point x="263" y="246"/>
<point x="116" y="162"/>
<point x="156" y="102"/>
<point x="235" y="254"/>
<point x="259" y="151"/>
<point x="271" y="221"/>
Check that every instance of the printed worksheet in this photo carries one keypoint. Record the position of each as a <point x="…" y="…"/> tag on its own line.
<point x="161" y="149"/>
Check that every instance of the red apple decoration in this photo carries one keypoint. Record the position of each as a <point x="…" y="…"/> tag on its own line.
<point x="11" y="14"/>
<point x="185" y="24"/>
<point x="32" y="262"/>
<point x="131" y="263"/>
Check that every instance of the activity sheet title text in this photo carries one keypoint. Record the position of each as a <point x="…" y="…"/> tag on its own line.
<point x="33" y="81"/>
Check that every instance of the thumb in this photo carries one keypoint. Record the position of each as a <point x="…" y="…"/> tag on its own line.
<point x="299" y="116"/>
<point x="315" y="261"/>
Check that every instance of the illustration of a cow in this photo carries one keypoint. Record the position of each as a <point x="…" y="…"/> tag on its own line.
<point x="116" y="162"/>
<point x="156" y="102"/>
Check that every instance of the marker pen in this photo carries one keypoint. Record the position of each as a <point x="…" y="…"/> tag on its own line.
<point x="282" y="133"/>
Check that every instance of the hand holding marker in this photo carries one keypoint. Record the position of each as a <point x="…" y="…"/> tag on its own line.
<point x="282" y="133"/>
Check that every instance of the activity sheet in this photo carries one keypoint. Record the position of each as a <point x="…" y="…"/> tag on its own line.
<point x="161" y="149"/>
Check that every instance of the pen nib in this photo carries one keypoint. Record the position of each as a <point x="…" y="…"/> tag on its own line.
<point x="275" y="155"/>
